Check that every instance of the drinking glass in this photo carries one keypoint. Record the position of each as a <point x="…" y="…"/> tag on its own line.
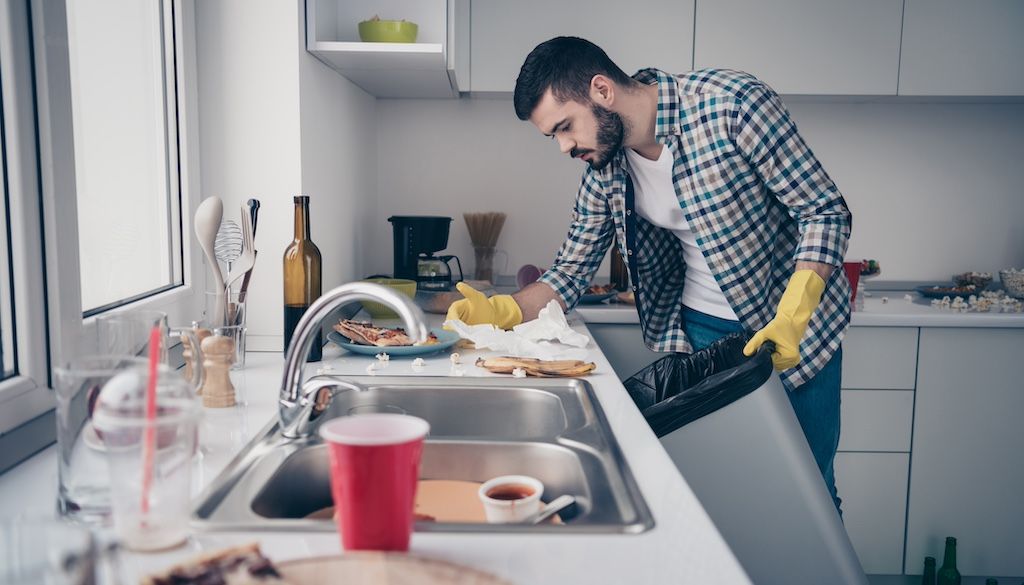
<point x="149" y="456"/>
<point x="234" y="322"/>
<point x="127" y="333"/>
<point x="83" y="483"/>
<point x="35" y="550"/>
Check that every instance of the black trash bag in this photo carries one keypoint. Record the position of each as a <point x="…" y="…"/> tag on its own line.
<point x="681" y="388"/>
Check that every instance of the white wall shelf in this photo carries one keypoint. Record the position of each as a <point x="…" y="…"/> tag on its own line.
<point x="427" y="68"/>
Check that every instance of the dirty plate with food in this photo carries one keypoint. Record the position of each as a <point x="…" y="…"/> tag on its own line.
<point x="947" y="290"/>
<point x="445" y="339"/>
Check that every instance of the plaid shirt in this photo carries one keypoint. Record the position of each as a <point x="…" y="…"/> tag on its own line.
<point x="752" y="192"/>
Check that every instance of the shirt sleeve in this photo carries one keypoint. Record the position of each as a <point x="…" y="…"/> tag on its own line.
<point x="768" y="138"/>
<point x="591" y="232"/>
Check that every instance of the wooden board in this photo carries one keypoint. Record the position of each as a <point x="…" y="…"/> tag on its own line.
<point x="377" y="568"/>
<point x="444" y="500"/>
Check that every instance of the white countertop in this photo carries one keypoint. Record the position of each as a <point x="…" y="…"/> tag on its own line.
<point x="683" y="546"/>
<point x="897" y="311"/>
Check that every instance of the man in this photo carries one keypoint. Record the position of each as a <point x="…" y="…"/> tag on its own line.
<point x="725" y="218"/>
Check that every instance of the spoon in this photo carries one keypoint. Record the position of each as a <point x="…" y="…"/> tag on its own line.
<point x="206" y="223"/>
<point x="556" y="505"/>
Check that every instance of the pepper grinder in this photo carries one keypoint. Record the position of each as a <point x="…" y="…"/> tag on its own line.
<point x="218" y="354"/>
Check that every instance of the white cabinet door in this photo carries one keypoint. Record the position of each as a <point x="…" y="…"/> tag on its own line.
<point x="967" y="475"/>
<point x="804" y="46"/>
<point x="635" y="35"/>
<point x="880" y="358"/>
<point x="876" y="420"/>
<point x="951" y="47"/>
<point x="873" y="487"/>
<point x="623" y="345"/>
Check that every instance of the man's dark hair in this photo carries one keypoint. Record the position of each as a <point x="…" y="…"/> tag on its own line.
<point x="566" y="65"/>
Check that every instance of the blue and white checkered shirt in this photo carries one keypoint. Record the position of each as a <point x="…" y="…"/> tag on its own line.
<point x="752" y="192"/>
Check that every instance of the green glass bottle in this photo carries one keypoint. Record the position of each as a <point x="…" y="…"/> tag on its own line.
<point x="948" y="575"/>
<point x="928" y="578"/>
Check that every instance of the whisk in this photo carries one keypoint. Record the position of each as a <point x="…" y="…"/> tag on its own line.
<point x="484" y="229"/>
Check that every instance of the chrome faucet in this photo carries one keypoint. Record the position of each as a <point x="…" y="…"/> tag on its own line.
<point x="301" y="404"/>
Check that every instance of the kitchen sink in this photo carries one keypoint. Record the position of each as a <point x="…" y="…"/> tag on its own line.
<point x="481" y="428"/>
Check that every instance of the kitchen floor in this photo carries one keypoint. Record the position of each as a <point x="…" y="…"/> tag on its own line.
<point x="916" y="580"/>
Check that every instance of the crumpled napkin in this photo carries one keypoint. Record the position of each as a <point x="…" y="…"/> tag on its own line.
<point x="546" y="337"/>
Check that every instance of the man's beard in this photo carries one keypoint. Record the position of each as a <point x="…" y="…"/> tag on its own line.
<point x="610" y="134"/>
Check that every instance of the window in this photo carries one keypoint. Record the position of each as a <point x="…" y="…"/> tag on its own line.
<point x="98" y="156"/>
<point x="123" y="80"/>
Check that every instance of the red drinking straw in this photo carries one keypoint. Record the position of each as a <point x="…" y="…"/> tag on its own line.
<point x="149" y="437"/>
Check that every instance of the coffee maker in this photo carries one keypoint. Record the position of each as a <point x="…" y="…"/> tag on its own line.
<point x="417" y="238"/>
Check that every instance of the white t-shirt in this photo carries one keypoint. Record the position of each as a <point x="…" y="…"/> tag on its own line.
<point x="656" y="201"/>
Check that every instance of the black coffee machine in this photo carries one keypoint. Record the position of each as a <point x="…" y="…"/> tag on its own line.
<point x="417" y="238"/>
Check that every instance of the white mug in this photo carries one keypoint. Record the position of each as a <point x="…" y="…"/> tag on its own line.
<point x="511" y="498"/>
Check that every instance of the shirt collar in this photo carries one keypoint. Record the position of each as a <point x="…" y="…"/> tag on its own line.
<point x="667" y="122"/>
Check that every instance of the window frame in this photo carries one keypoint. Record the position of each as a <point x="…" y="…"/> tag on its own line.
<point x="41" y="181"/>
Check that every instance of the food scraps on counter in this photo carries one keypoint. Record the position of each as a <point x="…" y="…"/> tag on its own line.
<point x="537" y="368"/>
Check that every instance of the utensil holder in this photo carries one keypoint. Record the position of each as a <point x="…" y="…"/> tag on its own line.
<point x="484" y="269"/>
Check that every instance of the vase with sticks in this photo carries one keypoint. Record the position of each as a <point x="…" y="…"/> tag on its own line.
<point x="484" y="229"/>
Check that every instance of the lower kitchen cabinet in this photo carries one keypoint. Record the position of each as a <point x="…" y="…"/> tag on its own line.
<point x="967" y="476"/>
<point x="873" y="488"/>
<point x="623" y="345"/>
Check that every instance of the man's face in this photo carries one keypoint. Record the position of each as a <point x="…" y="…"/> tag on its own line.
<point x="585" y="131"/>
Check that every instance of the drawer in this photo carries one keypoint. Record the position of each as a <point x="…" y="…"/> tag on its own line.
<point x="876" y="420"/>
<point x="873" y="488"/>
<point x="880" y="358"/>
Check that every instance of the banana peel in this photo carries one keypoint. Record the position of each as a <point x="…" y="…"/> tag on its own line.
<point x="537" y="368"/>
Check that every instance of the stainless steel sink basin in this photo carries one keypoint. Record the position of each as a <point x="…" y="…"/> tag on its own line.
<point x="553" y="430"/>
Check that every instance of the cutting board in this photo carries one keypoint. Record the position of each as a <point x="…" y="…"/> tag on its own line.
<point x="376" y="568"/>
<point x="444" y="500"/>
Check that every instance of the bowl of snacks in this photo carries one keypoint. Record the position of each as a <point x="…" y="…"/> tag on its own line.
<point x="376" y="30"/>
<point x="1013" y="282"/>
<point x="979" y="279"/>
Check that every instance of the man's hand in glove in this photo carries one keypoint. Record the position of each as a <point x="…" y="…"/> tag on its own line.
<point x="787" y="328"/>
<point x="500" y="310"/>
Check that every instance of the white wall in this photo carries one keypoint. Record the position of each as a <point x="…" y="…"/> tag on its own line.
<point x="276" y="123"/>
<point x="934" y="188"/>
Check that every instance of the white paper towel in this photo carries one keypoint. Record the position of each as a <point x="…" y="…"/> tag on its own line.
<point x="547" y="337"/>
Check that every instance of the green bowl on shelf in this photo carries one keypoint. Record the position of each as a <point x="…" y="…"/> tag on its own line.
<point x="388" y="31"/>
<point x="380" y="311"/>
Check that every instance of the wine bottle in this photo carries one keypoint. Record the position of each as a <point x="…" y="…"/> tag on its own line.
<point x="301" y="278"/>
<point x="948" y="574"/>
<point x="620" y="273"/>
<point x="928" y="578"/>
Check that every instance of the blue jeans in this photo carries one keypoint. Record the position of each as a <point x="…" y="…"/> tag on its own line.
<point x="816" y="402"/>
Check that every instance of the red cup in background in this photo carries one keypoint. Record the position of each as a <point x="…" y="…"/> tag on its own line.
<point x="852" y="270"/>
<point x="375" y="466"/>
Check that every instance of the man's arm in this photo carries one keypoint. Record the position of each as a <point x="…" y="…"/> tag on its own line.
<point x="534" y="297"/>
<point x="823" y="270"/>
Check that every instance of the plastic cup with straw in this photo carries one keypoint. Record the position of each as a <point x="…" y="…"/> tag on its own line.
<point x="149" y="440"/>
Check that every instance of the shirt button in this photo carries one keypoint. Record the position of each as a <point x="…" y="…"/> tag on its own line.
<point x="629" y="212"/>
<point x="629" y="252"/>
<point x="634" y="289"/>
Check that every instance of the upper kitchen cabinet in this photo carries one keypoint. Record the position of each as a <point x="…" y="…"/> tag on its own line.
<point x="435" y="66"/>
<point x="642" y="33"/>
<point x="813" y="47"/>
<point x="951" y="47"/>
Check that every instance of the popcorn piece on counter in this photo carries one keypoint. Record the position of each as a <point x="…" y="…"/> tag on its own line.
<point x="383" y="357"/>
<point x="885" y="300"/>
<point x="371" y="369"/>
<point x="418" y="364"/>
<point x="908" y="297"/>
<point x="457" y="372"/>
<point x="455" y="358"/>
<point x="518" y="373"/>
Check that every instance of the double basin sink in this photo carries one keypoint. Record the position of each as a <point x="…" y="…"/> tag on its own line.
<point x="551" y="429"/>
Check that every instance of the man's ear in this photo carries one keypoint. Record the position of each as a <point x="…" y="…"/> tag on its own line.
<point x="602" y="91"/>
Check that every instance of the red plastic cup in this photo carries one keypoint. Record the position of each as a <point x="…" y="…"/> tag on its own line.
<point x="375" y="466"/>
<point x="852" y="270"/>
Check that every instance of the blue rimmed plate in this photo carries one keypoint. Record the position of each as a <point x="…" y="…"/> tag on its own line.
<point x="589" y="299"/>
<point x="445" y="339"/>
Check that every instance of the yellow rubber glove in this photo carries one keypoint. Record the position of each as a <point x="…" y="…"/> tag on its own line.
<point x="787" y="328"/>
<point x="500" y="310"/>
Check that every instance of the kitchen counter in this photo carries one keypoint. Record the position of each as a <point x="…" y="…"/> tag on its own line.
<point x="897" y="312"/>
<point x="683" y="546"/>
